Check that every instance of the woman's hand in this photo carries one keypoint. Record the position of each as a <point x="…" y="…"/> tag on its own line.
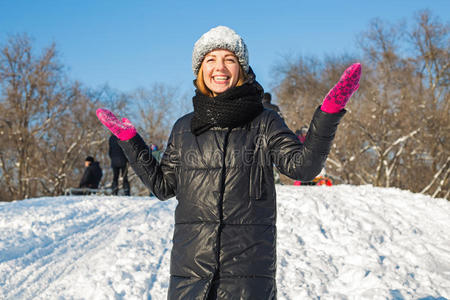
<point x="338" y="96"/>
<point x="124" y="130"/>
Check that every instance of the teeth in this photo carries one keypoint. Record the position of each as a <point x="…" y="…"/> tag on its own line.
<point x="220" y="78"/>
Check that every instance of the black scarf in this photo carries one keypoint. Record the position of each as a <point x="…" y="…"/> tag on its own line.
<point x="233" y="108"/>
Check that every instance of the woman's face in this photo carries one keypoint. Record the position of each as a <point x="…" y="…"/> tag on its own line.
<point x="220" y="70"/>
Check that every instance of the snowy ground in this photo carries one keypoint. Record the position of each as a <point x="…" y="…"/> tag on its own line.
<point x="341" y="242"/>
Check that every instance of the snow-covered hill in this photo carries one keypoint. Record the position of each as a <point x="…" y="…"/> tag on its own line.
<point x="340" y="242"/>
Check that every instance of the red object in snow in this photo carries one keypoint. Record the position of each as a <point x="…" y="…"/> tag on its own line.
<point x="319" y="180"/>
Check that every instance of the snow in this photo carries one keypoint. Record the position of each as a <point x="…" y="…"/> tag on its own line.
<point x="340" y="242"/>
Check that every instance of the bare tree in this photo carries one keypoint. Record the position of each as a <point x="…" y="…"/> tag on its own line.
<point x="47" y="123"/>
<point x="32" y="98"/>
<point x="397" y="127"/>
<point x="157" y="112"/>
<point x="429" y="39"/>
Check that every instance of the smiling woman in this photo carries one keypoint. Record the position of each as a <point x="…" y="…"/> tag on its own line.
<point x="219" y="71"/>
<point x="220" y="61"/>
<point x="219" y="164"/>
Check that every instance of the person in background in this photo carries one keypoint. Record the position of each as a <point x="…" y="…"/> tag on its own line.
<point x="301" y="133"/>
<point x="216" y="165"/>
<point x="266" y="102"/>
<point x="92" y="174"/>
<point x="156" y="152"/>
<point x="119" y="165"/>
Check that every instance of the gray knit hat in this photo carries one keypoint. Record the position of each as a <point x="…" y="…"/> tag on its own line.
<point x="220" y="37"/>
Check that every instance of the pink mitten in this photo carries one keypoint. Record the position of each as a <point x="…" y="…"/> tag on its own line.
<point x="124" y="130"/>
<point x="337" y="97"/>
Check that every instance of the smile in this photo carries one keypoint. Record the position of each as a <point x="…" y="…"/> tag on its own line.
<point x="220" y="78"/>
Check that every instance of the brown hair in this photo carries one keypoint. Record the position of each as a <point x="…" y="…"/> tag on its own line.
<point x="201" y="86"/>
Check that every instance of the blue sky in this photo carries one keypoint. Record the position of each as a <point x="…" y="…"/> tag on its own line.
<point x="132" y="43"/>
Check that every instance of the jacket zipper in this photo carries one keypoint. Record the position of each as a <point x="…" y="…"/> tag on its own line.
<point x="221" y="195"/>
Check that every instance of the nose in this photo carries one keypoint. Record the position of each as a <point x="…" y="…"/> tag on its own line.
<point x="219" y="64"/>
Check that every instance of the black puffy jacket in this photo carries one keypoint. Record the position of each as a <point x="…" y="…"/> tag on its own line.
<point x="92" y="176"/>
<point x="224" y="243"/>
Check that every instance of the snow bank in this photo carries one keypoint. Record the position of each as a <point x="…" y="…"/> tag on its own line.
<point x="340" y="242"/>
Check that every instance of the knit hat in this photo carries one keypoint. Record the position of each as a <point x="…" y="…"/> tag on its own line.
<point x="220" y="37"/>
<point x="89" y="158"/>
